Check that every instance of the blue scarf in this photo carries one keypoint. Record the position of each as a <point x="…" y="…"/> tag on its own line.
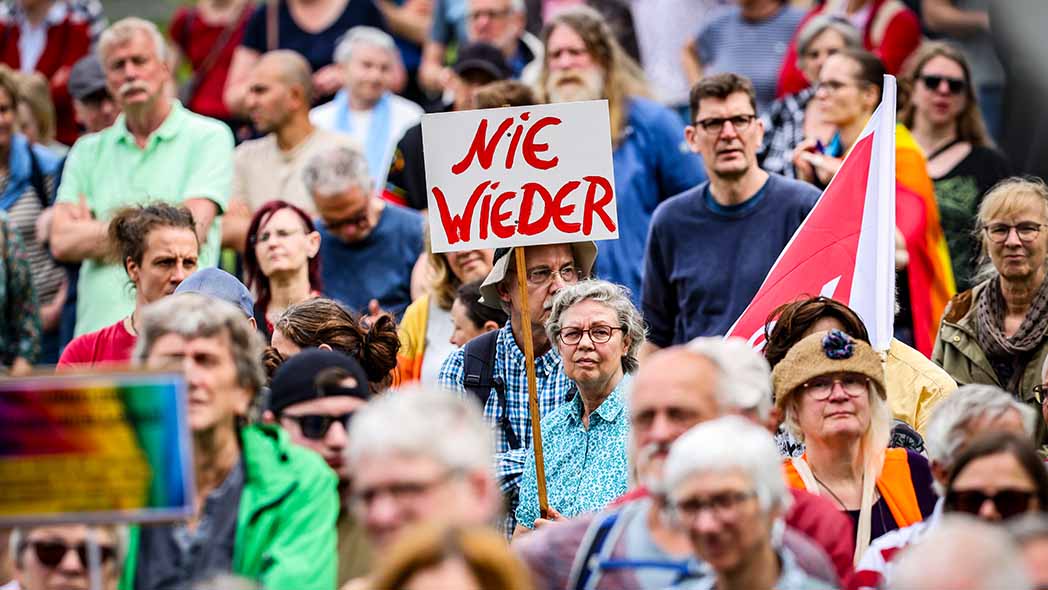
<point x="19" y="171"/>
<point x="377" y="139"/>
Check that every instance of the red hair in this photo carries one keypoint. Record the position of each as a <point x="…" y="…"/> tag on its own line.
<point x="255" y="279"/>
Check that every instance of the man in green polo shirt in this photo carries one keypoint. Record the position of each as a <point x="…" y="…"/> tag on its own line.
<point x="156" y="151"/>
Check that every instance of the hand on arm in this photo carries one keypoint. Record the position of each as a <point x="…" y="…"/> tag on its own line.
<point x="942" y="16"/>
<point x="76" y="235"/>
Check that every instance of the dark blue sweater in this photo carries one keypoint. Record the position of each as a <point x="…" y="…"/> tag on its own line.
<point x="705" y="262"/>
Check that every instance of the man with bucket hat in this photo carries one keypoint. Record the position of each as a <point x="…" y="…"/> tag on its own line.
<point x="492" y="366"/>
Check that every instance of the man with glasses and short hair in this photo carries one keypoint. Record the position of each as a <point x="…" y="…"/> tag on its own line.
<point x="313" y="396"/>
<point x="503" y="390"/>
<point x="56" y="556"/>
<point x="361" y="235"/>
<point x="419" y="456"/>
<point x="711" y="247"/>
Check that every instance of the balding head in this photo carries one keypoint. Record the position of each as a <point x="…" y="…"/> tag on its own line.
<point x="280" y="90"/>
<point x="292" y="69"/>
<point x="673" y="390"/>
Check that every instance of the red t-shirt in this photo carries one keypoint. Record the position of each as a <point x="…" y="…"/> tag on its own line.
<point x="195" y="39"/>
<point x="110" y="345"/>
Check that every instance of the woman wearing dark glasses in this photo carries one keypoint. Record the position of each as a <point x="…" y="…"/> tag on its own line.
<point x="997" y="477"/>
<point x="944" y="116"/>
<point x="56" y="556"/>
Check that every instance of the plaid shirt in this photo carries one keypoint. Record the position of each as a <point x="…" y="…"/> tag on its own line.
<point x="784" y="129"/>
<point x="554" y="388"/>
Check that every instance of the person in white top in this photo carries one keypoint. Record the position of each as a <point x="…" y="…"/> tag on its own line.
<point x="366" y="109"/>
<point x="278" y="99"/>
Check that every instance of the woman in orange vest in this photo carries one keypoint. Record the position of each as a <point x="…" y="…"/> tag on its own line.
<point x="830" y="390"/>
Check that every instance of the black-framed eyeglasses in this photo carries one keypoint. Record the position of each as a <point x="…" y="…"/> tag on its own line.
<point x="954" y="85"/>
<point x="51" y="553"/>
<point x="316" y="426"/>
<point x="1008" y="503"/>
<point x="723" y="506"/>
<point x="716" y="124"/>
<point x="1027" y="231"/>
<point x="597" y="334"/>
<point x="542" y="275"/>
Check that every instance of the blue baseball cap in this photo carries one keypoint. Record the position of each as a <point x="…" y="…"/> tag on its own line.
<point x="219" y="284"/>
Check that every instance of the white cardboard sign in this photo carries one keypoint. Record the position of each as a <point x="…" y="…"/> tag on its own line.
<point x="520" y="176"/>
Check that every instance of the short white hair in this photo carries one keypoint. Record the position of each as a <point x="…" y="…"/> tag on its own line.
<point x="945" y="434"/>
<point x="364" y="35"/>
<point x="745" y="382"/>
<point x="961" y="552"/>
<point x="335" y="171"/>
<point x="517" y="6"/>
<point x="730" y="443"/>
<point x="419" y="422"/>
<point x="123" y="30"/>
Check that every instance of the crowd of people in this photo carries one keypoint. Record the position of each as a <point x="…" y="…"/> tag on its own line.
<point x="241" y="198"/>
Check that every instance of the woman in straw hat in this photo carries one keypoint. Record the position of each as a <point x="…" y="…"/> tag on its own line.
<point x="830" y="389"/>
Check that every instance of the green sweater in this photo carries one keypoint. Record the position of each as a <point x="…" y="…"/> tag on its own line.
<point x="285" y="534"/>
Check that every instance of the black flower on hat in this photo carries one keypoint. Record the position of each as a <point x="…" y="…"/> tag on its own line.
<point x="837" y="345"/>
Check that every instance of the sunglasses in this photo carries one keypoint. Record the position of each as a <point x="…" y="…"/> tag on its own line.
<point x="51" y="553"/>
<point x="1007" y="502"/>
<point x="316" y="426"/>
<point x="955" y="85"/>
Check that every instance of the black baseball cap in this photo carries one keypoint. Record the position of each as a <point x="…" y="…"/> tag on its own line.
<point x="296" y="380"/>
<point x="482" y="58"/>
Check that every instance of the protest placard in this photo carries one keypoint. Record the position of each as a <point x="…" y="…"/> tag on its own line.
<point x="97" y="448"/>
<point x="520" y="176"/>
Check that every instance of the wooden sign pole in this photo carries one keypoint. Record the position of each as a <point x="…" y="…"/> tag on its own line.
<point x="533" y="400"/>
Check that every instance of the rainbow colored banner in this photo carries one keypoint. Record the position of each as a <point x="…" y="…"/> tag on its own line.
<point x="98" y="448"/>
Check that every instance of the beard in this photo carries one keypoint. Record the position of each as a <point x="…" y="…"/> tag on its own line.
<point x="573" y="85"/>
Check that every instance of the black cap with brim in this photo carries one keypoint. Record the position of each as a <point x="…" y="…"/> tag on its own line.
<point x="296" y="380"/>
<point x="482" y="58"/>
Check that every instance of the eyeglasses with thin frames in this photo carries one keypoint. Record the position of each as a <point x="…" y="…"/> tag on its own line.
<point x="541" y="275"/>
<point x="281" y="234"/>
<point x="820" y="388"/>
<point x="723" y="506"/>
<point x="597" y="334"/>
<point x="402" y="492"/>
<point x="999" y="232"/>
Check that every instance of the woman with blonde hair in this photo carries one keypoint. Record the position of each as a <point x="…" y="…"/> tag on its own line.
<point x="943" y="115"/>
<point x="997" y="332"/>
<point x="438" y="556"/>
<point x="426" y="330"/>
<point x="830" y="388"/>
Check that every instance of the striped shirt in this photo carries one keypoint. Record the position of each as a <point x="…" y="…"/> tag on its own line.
<point x="553" y="388"/>
<point x="47" y="275"/>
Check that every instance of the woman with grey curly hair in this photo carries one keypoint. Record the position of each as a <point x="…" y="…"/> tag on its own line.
<point x="597" y="331"/>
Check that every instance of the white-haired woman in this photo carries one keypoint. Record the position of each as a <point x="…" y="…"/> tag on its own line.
<point x="598" y="332"/>
<point x="830" y="388"/>
<point x="725" y="491"/>
<point x="997" y="332"/>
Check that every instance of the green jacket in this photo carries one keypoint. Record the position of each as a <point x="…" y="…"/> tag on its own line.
<point x="285" y="534"/>
<point x="958" y="352"/>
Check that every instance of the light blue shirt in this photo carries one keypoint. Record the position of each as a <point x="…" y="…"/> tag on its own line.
<point x="586" y="468"/>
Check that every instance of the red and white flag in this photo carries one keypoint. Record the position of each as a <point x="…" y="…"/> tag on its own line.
<point x="845" y="248"/>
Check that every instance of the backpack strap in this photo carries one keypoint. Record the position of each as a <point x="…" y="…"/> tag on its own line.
<point x="584" y="574"/>
<point x="479" y="380"/>
<point x="36" y="179"/>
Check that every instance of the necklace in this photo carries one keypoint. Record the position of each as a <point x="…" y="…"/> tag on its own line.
<point x="134" y="329"/>
<point x="827" y="488"/>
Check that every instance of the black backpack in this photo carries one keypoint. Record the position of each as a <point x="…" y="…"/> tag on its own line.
<point x="479" y="379"/>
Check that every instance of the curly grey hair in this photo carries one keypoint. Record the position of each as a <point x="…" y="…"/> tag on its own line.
<point x="195" y="316"/>
<point x="123" y="30"/>
<point x="615" y="297"/>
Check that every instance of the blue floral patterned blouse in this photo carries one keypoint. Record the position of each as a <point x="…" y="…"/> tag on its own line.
<point x="585" y="468"/>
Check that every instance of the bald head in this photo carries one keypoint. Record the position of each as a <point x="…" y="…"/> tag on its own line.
<point x="290" y="68"/>
<point x="674" y="389"/>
